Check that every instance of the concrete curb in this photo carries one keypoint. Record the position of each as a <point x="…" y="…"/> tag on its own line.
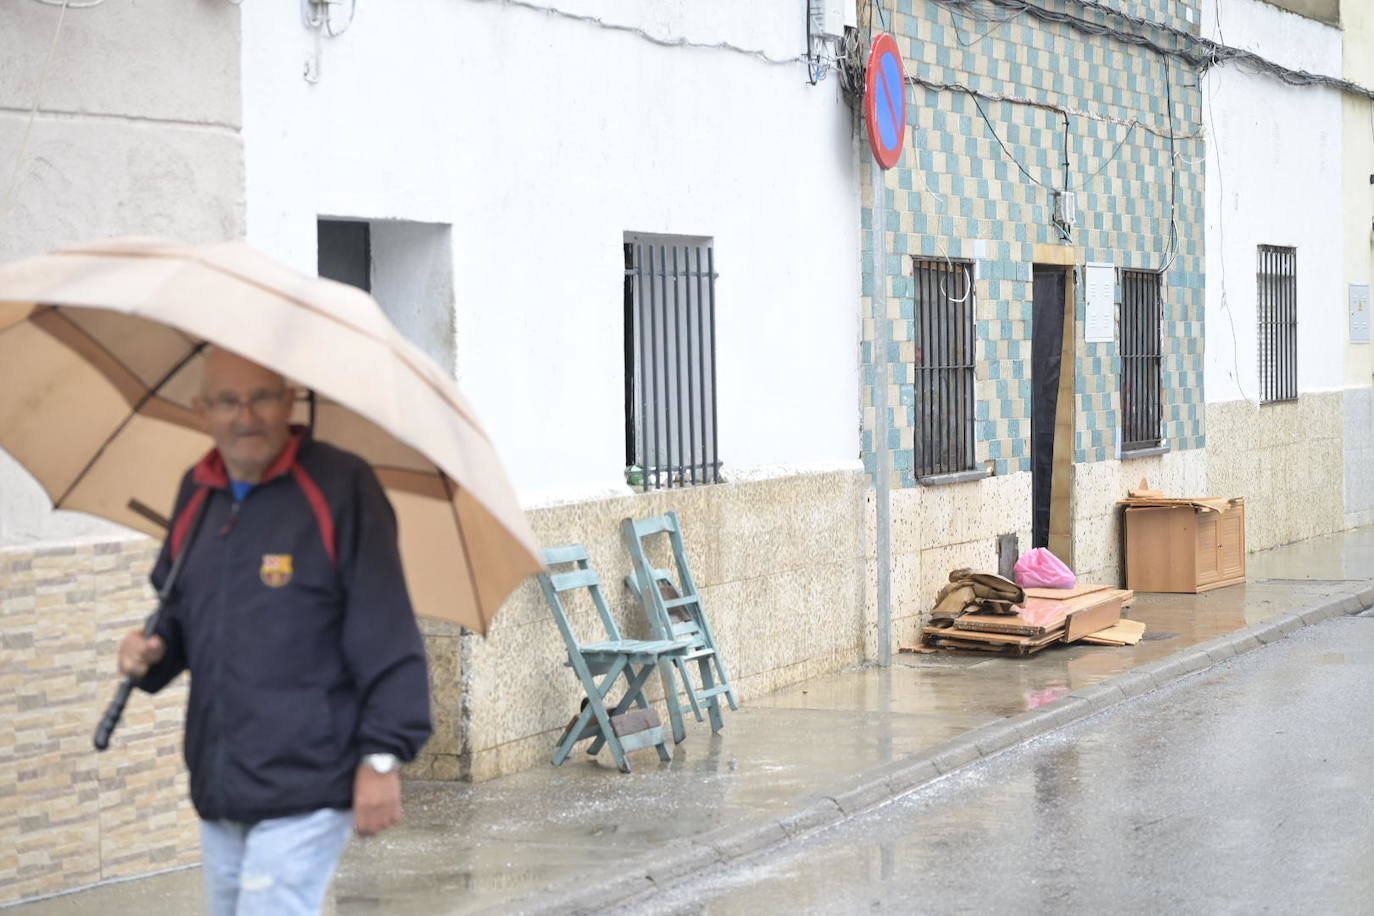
<point x="679" y="860"/>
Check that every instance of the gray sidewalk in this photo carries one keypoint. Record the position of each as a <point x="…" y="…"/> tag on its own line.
<point x="584" y="836"/>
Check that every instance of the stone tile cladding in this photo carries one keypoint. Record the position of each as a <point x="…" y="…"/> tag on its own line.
<point x="956" y="193"/>
<point x="68" y="815"/>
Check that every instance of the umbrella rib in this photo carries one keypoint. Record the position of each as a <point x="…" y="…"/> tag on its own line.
<point x="147" y="396"/>
<point x="40" y="320"/>
<point x="462" y="540"/>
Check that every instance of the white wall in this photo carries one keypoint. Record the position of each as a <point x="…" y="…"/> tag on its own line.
<point x="1273" y="178"/>
<point x="136" y="133"/>
<point x="541" y="141"/>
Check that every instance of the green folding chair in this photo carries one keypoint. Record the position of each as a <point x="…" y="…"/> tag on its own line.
<point x="624" y="728"/>
<point x="673" y="606"/>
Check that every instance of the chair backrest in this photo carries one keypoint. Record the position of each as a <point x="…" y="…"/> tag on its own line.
<point x="581" y="576"/>
<point x="647" y="579"/>
<point x="683" y="620"/>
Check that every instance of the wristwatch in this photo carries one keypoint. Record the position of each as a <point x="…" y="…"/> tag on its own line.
<point x="381" y="763"/>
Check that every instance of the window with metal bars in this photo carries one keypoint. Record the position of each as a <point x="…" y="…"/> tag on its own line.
<point x="1277" y="315"/>
<point x="945" y="338"/>
<point x="670" y="364"/>
<point x="1141" y="305"/>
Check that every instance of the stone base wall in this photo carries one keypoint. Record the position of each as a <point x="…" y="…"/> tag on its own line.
<point x="937" y="529"/>
<point x="1097" y="518"/>
<point x="70" y="816"/>
<point x="1359" y="457"/>
<point x="1289" y="462"/>
<point x="780" y="564"/>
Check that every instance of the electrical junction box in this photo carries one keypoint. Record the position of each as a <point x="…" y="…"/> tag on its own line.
<point x="828" y="17"/>
<point x="1065" y="208"/>
<point x="1359" y="313"/>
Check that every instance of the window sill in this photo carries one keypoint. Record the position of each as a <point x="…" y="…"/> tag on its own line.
<point x="1145" y="452"/>
<point x="941" y="480"/>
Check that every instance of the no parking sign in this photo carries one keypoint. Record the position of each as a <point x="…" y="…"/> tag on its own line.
<point x="885" y="101"/>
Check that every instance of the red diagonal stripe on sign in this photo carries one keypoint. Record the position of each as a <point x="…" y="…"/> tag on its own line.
<point x="892" y="109"/>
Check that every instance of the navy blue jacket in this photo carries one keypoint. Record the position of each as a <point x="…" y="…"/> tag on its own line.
<point x="291" y="613"/>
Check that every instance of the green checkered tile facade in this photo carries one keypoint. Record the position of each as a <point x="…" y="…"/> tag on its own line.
<point x="955" y="193"/>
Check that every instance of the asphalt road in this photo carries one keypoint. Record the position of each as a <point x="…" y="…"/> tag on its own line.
<point x="1248" y="788"/>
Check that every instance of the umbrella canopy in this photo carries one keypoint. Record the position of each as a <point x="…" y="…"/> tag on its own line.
<point x="100" y="347"/>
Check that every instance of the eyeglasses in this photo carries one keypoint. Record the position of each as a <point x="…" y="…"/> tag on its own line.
<point x="228" y="405"/>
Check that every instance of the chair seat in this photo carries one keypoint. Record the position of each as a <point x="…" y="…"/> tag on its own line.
<point x="640" y="647"/>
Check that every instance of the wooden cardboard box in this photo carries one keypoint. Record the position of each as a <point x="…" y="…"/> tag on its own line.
<point x="1184" y="545"/>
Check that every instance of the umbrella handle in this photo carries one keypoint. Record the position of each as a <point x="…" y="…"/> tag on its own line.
<point x="113" y="712"/>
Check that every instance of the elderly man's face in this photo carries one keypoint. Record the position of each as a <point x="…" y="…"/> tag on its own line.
<point x="246" y="409"/>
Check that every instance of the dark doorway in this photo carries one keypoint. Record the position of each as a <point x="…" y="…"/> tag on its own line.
<point x="345" y="252"/>
<point x="1047" y="353"/>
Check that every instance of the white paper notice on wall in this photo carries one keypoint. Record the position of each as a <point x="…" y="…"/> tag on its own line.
<point x="1100" y="283"/>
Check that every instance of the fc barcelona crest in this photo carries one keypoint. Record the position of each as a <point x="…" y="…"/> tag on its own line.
<point x="276" y="569"/>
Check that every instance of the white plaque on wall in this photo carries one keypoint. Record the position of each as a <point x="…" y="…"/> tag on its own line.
<point x="1359" y="313"/>
<point x="1100" y="296"/>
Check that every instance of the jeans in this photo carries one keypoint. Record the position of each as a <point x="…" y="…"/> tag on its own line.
<point x="277" y="867"/>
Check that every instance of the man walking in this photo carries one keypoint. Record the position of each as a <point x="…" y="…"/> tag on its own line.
<point x="290" y="611"/>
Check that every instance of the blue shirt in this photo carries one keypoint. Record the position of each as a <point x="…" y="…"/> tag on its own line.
<point x="241" y="489"/>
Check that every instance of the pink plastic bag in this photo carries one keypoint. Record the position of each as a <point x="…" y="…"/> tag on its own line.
<point x="1041" y="569"/>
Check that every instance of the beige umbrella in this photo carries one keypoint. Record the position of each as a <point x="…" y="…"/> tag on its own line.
<point x="99" y="354"/>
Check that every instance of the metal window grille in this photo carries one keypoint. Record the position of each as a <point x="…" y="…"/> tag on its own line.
<point x="1277" y="285"/>
<point x="670" y="364"/>
<point x="945" y="344"/>
<point x="1140" y="359"/>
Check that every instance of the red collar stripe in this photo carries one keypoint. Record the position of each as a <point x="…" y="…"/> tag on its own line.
<point x="182" y="526"/>
<point x="320" y="507"/>
<point x="210" y="470"/>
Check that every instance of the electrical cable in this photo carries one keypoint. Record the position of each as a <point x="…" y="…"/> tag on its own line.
<point x="810" y="52"/>
<point x="1048" y="106"/>
<point x="1207" y="53"/>
<point x="944" y="250"/>
<point x="1221" y="229"/>
<point x="8" y="200"/>
<point x="64" y="4"/>
<point x="1173" y="169"/>
<point x="1000" y="21"/>
<point x="1066" y="150"/>
<point x="649" y="36"/>
<point x="973" y="95"/>
<point x="1109" y="160"/>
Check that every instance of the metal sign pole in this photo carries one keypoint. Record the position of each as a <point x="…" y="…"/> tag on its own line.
<point x="881" y="473"/>
<point x="885" y="113"/>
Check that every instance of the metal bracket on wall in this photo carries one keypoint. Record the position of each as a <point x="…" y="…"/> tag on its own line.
<point x="321" y="14"/>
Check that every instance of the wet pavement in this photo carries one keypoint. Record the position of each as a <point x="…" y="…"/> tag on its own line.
<point x="494" y="846"/>
<point x="1243" y="789"/>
